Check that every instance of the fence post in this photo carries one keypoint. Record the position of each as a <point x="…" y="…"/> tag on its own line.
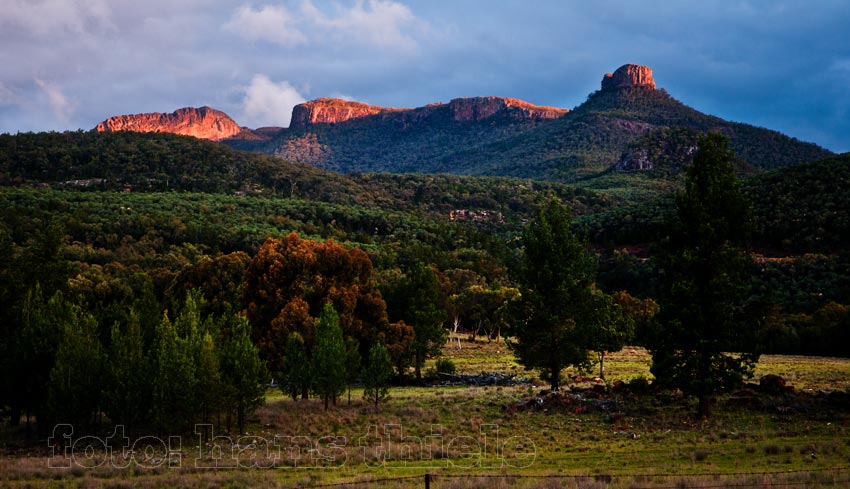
<point x="427" y="481"/>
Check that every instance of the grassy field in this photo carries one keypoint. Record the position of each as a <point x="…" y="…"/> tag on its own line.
<point x="500" y="436"/>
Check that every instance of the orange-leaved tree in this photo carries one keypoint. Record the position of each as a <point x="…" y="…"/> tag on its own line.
<point x="287" y="284"/>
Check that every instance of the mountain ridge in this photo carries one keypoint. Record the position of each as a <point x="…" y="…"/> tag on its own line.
<point x="502" y="136"/>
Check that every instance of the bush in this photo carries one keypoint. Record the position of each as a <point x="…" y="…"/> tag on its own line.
<point x="446" y="366"/>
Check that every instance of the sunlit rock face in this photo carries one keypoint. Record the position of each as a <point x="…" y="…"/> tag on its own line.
<point x="628" y="76"/>
<point x="332" y="111"/>
<point x="203" y="123"/>
<point x="478" y="108"/>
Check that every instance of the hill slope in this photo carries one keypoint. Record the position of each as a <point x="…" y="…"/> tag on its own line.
<point x="616" y="123"/>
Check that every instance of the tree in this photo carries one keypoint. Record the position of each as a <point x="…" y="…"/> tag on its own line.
<point x="287" y="284"/>
<point x="295" y="372"/>
<point x="209" y="388"/>
<point x="352" y="364"/>
<point x="413" y="300"/>
<point x="39" y="266"/>
<point x="127" y="390"/>
<point x="173" y="390"/>
<point x="76" y="377"/>
<point x="219" y="278"/>
<point x="377" y="374"/>
<point x="605" y="327"/>
<point x="640" y="311"/>
<point x="242" y="371"/>
<point x="701" y="342"/>
<point x="329" y="359"/>
<point x="556" y="282"/>
<point x="44" y="322"/>
<point x="487" y="307"/>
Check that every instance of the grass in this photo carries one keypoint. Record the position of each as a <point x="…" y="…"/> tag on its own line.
<point x="454" y="432"/>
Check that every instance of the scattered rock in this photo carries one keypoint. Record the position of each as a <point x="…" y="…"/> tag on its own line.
<point x="618" y="386"/>
<point x="484" y="378"/>
<point x="774" y="384"/>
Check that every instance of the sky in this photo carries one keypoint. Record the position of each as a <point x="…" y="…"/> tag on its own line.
<point x="69" y="64"/>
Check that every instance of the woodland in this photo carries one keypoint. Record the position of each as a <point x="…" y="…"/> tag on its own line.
<point x="160" y="281"/>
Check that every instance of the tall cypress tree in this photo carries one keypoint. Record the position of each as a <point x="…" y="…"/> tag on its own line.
<point x="242" y="370"/>
<point x="76" y="377"/>
<point x="376" y="374"/>
<point x="701" y="342"/>
<point x="295" y="372"/>
<point x="128" y="384"/>
<point x="329" y="359"/>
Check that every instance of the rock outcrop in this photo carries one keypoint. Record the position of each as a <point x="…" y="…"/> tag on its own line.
<point x="478" y="108"/>
<point x="634" y="159"/>
<point x="628" y="76"/>
<point x="332" y="111"/>
<point x="203" y="123"/>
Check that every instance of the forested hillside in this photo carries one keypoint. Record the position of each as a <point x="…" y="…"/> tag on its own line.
<point x="141" y="247"/>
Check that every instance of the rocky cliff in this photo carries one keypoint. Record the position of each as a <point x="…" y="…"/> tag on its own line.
<point x="328" y="111"/>
<point x="628" y="76"/>
<point x="478" y="108"/>
<point x="203" y="123"/>
<point x="331" y="111"/>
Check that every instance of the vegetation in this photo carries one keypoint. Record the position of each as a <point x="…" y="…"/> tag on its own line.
<point x="415" y="299"/>
<point x="562" y="315"/>
<point x="704" y="342"/>
<point x="376" y="375"/>
<point x="170" y="306"/>
<point x="329" y="362"/>
<point x="645" y="443"/>
<point x="583" y="143"/>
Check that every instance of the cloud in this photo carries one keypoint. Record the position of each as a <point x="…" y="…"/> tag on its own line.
<point x="61" y="106"/>
<point x="269" y="23"/>
<point x="7" y="96"/>
<point x="267" y="103"/>
<point x="343" y="96"/>
<point x="377" y="23"/>
<point x="55" y="18"/>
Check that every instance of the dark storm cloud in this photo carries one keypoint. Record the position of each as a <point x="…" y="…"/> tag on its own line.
<point x="71" y="63"/>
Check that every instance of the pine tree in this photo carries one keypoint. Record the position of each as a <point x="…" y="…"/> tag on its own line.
<point x="295" y="373"/>
<point x="556" y="287"/>
<point x="43" y="324"/>
<point x="209" y="388"/>
<point x="701" y="343"/>
<point x="352" y="363"/>
<point x="173" y="367"/>
<point x="76" y="377"/>
<point x="376" y="375"/>
<point x="329" y="360"/>
<point x="128" y="386"/>
<point x="243" y="372"/>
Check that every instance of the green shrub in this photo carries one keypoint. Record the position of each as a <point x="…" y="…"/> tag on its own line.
<point x="446" y="366"/>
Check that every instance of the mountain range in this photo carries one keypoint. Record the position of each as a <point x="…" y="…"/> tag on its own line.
<point x="627" y="125"/>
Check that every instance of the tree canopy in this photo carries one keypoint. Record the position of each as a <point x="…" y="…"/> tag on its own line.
<point x="288" y="282"/>
<point x="556" y="285"/>
<point x="702" y="342"/>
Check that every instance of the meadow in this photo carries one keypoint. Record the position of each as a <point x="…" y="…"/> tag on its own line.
<point x="610" y="435"/>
